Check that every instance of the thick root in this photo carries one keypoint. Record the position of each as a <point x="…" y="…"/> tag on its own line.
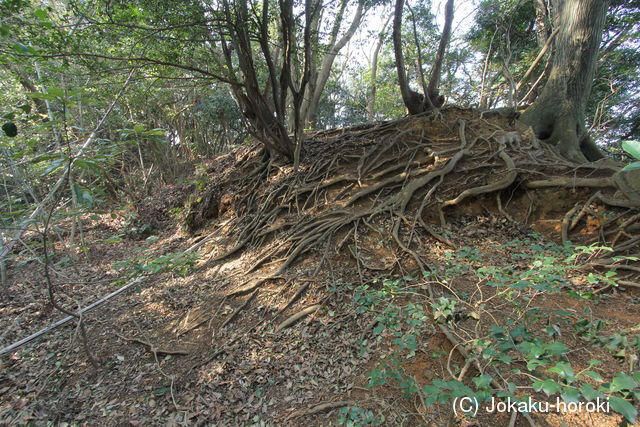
<point x="399" y="170"/>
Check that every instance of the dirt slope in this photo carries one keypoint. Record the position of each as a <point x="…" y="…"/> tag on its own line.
<point x="313" y="285"/>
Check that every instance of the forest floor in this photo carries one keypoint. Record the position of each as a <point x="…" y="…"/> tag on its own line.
<point x="273" y="323"/>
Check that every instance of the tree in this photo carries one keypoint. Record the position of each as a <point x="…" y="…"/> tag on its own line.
<point x="558" y="114"/>
<point x="294" y="83"/>
<point x="504" y="33"/>
<point x="276" y="57"/>
<point x="416" y="102"/>
<point x="320" y="76"/>
<point x="266" y="107"/>
<point x="371" y="101"/>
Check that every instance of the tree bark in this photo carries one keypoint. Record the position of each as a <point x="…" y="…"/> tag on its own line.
<point x="542" y="32"/>
<point x="316" y="87"/>
<point x="557" y="116"/>
<point x="267" y="118"/>
<point x="371" y="104"/>
<point x="412" y="100"/>
<point x="416" y="102"/>
<point x="433" y="90"/>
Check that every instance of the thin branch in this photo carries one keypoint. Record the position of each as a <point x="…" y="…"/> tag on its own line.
<point x="536" y="61"/>
<point x="6" y="250"/>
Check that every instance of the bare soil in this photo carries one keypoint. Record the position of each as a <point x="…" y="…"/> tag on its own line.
<point x="207" y="348"/>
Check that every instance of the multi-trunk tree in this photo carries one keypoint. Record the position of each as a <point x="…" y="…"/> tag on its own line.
<point x="430" y="98"/>
<point x="293" y="55"/>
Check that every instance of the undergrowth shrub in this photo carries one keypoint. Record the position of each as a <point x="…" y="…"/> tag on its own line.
<point x="528" y="346"/>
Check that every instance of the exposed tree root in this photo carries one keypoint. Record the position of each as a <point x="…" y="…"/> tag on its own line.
<point x="489" y="188"/>
<point x="387" y="186"/>
<point x="239" y="309"/>
<point x="404" y="173"/>
<point x="152" y="348"/>
<point x="572" y="183"/>
<point x="299" y="315"/>
<point x="248" y="286"/>
<point x="293" y="299"/>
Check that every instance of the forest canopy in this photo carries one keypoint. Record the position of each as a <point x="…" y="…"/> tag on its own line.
<point x="208" y="73"/>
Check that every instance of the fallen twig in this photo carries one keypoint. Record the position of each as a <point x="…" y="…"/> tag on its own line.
<point x="239" y="309"/>
<point x="152" y="348"/>
<point x="68" y="319"/>
<point x="319" y="408"/>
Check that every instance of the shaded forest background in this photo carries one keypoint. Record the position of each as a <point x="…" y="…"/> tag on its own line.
<point x="63" y="65"/>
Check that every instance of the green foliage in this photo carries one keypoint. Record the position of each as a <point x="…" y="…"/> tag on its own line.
<point x="613" y="106"/>
<point x="353" y="416"/>
<point x="444" y="309"/>
<point x="503" y="34"/>
<point x="633" y="149"/>
<point x="180" y="263"/>
<point x="535" y="362"/>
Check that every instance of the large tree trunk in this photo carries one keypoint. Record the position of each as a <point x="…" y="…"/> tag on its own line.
<point x="416" y="102"/>
<point x="557" y="116"/>
<point x="412" y="100"/>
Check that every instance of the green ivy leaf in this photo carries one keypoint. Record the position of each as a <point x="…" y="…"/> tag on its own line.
<point x="589" y="392"/>
<point x="625" y="408"/>
<point x="506" y="359"/>
<point x="556" y="348"/>
<point x="519" y="332"/>
<point x="482" y="381"/>
<point x="564" y="370"/>
<point x="430" y="390"/>
<point x="633" y="148"/>
<point x="548" y="386"/>
<point x="570" y="395"/>
<point x="536" y="363"/>
<point x="621" y="382"/>
<point x="531" y="349"/>
<point x="593" y="375"/>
